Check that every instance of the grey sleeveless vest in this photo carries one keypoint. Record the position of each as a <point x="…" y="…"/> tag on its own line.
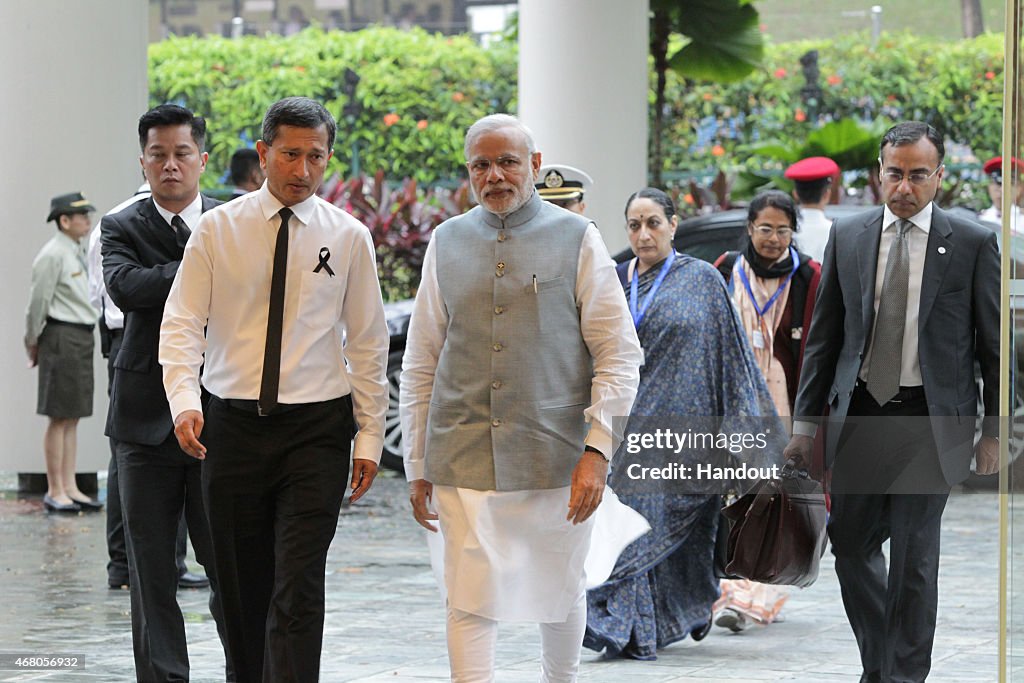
<point x="514" y="376"/>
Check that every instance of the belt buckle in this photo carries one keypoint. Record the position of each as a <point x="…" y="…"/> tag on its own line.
<point x="259" y="410"/>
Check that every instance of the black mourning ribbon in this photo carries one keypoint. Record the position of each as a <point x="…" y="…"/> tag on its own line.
<point x="325" y="256"/>
<point x="275" y="320"/>
<point x="181" y="231"/>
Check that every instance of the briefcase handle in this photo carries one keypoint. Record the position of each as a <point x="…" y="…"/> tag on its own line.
<point x="790" y="471"/>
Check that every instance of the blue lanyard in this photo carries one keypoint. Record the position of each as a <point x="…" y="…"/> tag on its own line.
<point x="746" y="283"/>
<point x="638" y="315"/>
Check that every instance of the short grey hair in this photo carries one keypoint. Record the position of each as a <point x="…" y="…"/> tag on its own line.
<point x="496" y="122"/>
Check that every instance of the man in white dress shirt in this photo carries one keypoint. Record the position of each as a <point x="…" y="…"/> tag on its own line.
<point x="520" y="336"/>
<point x="812" y="188"/>
<point x="278" y="279"/>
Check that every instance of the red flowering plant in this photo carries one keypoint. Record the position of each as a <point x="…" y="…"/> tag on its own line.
<point x="401" y="218"/>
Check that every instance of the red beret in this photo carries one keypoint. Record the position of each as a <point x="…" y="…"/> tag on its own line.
<point x="996" y="165"/>
<point x="812" y="168"/>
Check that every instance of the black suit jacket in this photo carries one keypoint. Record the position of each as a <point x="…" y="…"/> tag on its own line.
<point x="958" y="324"/>
<point x="140" y="259"/>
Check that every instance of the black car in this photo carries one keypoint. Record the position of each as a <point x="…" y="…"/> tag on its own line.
<point x="708" y="236"/>
<point x="397" y="315"/>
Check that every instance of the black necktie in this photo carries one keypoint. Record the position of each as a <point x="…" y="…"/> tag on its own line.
<point x="275" y="320"/>
<point x="181" y="231"/>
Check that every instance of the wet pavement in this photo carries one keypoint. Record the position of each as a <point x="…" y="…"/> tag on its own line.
<point x="385" y="621"/>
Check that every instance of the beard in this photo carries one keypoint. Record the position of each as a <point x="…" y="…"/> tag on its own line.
<point x="505" y="198"/>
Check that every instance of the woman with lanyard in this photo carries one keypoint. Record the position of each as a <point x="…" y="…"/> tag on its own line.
<point x="773" y="287"/>
<point x="697" y="364"/>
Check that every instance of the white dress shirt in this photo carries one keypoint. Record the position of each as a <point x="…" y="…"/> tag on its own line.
<point x="812" y="235"/>
<point x="606" y="326"/>
<point x="334" y="338"/>
<point x="917" y="243"/>
<point x="98" y="297"/>
<point x="190" y="214"/>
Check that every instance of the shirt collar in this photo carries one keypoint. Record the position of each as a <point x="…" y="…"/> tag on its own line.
<point x="523" y="214"/>
<point x="64" y="239"/>
<point x="922" y="219"/>
<point x="271" y="205"/>
<point x="190" y="214"/>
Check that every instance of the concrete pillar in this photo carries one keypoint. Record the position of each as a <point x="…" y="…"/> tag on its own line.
<point x="583" y="85"/>
<point x="73" y="76"/>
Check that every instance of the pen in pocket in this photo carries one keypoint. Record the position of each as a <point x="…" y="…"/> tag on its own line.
<point x="534" y="284"/>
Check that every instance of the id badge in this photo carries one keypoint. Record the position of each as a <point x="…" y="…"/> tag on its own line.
<point x="758" y="339"/>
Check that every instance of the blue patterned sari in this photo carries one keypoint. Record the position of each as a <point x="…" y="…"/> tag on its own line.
<point x="697" y="363"/>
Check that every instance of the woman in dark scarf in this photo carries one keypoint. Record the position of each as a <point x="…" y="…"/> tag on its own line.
<point x="773" y="287"/>
<point x="698" y="367"/>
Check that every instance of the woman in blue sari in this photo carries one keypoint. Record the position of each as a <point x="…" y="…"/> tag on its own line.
<point x="698" y="364"/>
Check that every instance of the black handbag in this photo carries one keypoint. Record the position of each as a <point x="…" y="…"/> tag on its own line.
<point x="776" y="531"/>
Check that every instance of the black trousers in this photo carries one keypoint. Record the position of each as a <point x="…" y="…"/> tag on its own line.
<point x="883" y="449"/>
<point x="157" y="485"/>
<point x="117" y="565"/>
<point x="273" y="488"/>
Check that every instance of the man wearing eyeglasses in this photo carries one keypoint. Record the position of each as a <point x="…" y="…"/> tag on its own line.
<point x="909" y="299"/>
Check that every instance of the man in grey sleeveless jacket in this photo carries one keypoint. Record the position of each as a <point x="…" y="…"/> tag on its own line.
<point x="521" y="352"/>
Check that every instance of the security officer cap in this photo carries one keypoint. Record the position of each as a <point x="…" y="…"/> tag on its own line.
<point x="562" y="183"/>
<point x="812" y="168"/>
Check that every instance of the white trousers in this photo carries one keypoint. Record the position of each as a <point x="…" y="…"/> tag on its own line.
<point x="472" y="640"/>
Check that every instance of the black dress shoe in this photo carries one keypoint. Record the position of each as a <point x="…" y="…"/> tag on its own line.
<point x="89" y="505"/>
<point x="700" y="633"/>
<point x="190" y="580"/>
<point x="116" y="584"/>
<point x="53" y="506"/>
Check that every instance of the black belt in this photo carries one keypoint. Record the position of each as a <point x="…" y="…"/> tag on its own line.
<point x="252" y="406"/>
<point x="904" y="394"/>
<point x="118" y="332"/>
<point x="80" y="326"/>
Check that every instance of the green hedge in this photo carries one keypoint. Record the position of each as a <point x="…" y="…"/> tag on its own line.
<point x="957" y="86"/>
<point x="419" y="92"/>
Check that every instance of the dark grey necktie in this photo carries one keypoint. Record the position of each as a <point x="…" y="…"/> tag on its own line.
<point x="275" y="320"/>
<point x="181" y="231"/>
<point x="887" y="342"/>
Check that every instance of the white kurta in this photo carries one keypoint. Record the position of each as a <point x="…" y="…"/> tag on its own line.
<point x="512" y="556"/>
<point x="612" y="527"/>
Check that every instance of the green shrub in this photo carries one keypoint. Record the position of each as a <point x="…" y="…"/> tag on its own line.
<point x="957" y="86"/>
<point x="418" y="92"/>
<point x="401" y="220"/>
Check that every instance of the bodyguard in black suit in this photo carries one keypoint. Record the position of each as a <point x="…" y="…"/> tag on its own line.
<point x="909" y="299"/>
<point x="142" y="247"/>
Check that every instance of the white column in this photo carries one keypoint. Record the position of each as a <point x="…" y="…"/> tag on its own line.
<point x="583" y="84"/>
<point x="73" y="77"/>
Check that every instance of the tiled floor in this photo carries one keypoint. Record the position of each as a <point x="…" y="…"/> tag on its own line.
<point x="385" y="621"/>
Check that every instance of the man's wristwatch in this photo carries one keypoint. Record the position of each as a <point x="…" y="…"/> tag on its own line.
<point x="594" y="450"/>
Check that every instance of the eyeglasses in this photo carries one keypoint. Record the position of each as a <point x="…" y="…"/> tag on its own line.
<point x="915" y="178"/>
<point x="767" y="231"/>
<point x="508" y="164"/>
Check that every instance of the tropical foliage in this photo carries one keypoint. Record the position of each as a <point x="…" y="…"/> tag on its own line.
<point x="401" y="218"/>
<point x="416" y="95"/>
<point x="956" y="86"/>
